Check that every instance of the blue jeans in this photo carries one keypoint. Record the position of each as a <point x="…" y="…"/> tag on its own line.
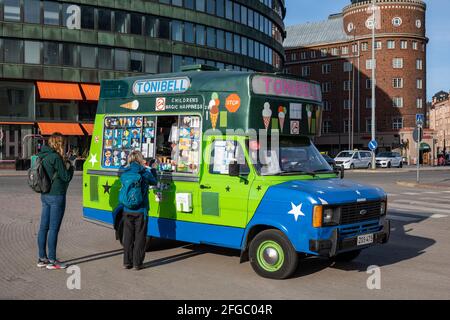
<point x="53" y="208"/>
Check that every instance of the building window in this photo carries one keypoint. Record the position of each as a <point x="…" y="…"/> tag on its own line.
<point x="229" y="10"/>
<point x="88" y="57"/>
<point x="293" y="56"/>
<point x="211" y="37"/>
<point x="70" y="55"/>
<point x="397" y="22"/>
<point x="121" y="59"/>
<point x="200" y="35"/>
<point x="347" y="85"/>
<point x="347" y="126"/>
<point x="369" y="64"/>
<point x="415" y="45"/>
<point x="404" y="44"/>
<point x="87" y="17"/>
<point x="211" y="6"/>
<point x="326" y="68"/>
<point x="369" y="103"/>
<point x="397" y="63"/>
<point x="344" y="50"/>
<point x="177" y="31"/>
<point x="323" y="52"/>
<point x="397" y="83"/>
<point x="104" y="20"/>
<point x="306" y="71"/>
<point x="419" y="103"/>
<point x="335" y="51"/>
<point x="355" y="48"/>
<point x="378" y="45"/>
<point x="326" y="126"/>
<point x="368" y="125"/>
<point x="348" y="66"/>
<point x="32" y="11"/>
<point x="397" y="123"/>
<point x="397" y="102"/>
<point x="391" y="44"/>
<point x="237" y="44"/>
<point x="11" y="10"/>
<point x="51" y="13"/>
<point x="419" y="84"/>
<point x="136" y="61"/>
<point x="51" y="53"/>
<point x="32" y="52"/>
<point x="151" y="63"/>
<point x="347" y="104"/>
<point x="189" y="32"/>
<point x="200" y="5"/>
<point x="136" y="23"/>
<point x="164" y="29"/>
<point x="303" y="55"/>
<point x="368" y="83"/>
<point x="120" y="22"/>
<point x="313" y="54"/>
<point x="326" y="106"/>
<point x="364" y="46"/>
<point x="419" y="64"/>
<point x="105" y="58"/>
<point x="326" y="87"/>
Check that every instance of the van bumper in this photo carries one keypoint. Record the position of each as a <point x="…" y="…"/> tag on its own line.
<point x="332" y="246"/>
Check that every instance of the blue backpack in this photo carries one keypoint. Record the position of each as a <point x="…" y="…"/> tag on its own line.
<point x="130" y="194"/>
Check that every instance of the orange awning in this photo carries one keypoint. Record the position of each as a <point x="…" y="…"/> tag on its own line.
<point x="91" y="91"/>
<point x="67" y="129"/>
<point x="59" y="91"/>
<point x="89" y="127"/>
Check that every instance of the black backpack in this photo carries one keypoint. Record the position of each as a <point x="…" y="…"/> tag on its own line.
<point x="38" y="179"/>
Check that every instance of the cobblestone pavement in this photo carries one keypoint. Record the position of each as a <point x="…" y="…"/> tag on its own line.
<point x="414" y="264"/>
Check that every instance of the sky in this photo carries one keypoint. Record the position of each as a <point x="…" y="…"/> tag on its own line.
<point x="438" y="31"/>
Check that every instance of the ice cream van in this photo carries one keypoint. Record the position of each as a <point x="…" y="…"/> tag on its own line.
<point x="274" y="198"/>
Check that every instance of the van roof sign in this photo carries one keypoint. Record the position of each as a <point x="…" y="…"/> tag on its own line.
<point x="289" y="88"/>
<point x="161" y="86"/>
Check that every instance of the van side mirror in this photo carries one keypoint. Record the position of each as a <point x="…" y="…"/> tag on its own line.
<point x="234" y="169"/>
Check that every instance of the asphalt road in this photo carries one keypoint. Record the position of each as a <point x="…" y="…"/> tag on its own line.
<point x="414" y="264"/>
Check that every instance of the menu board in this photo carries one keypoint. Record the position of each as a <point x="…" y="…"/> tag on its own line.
<point x="122" y="135"/>
<point x="188" y="155"/>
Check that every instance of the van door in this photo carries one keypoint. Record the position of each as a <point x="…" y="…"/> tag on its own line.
<point x="224" y="199"/>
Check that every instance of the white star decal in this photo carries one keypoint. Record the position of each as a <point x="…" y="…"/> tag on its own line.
<point x="93" y="160"/>
<point x="296" y="211"/>
<point x="358" y="193"/>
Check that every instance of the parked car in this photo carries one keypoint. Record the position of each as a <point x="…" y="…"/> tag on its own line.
<point x="329" y="160"/>
<point x="354" y="159"/>
<point x="389" y="159"/>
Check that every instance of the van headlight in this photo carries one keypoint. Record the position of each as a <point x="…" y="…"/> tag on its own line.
<point x="383" y="208"/>
<point x="331" y="216"/>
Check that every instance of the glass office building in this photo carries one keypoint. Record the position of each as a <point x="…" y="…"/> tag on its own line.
<point x="53" y="54"/>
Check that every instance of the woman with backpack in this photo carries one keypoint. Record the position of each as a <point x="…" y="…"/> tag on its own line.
<point x="60" y="173"/>
<point x="134" y="197"/>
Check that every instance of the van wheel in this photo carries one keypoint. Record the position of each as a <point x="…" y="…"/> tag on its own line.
<point x="347" y="256"/>
<point x="400" y="165"/>
<point x="389" y="165"/>
<point x="272" y="255"/>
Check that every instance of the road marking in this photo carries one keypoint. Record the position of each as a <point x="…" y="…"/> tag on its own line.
<point x="411" y="193"/>
<point x="402" y="218"/>
<point x="392" y="195"/>
<point x="421" y="203"/>
<point x="427" y="213"/>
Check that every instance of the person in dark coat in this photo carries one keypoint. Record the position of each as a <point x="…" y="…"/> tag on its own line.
<point x="135" y="219"/>
<point x="60" y="172"/>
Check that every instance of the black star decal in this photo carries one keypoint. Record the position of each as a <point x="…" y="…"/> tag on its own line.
<point x="259" y="188"/>
<point x="228" y="189"/>
<point x="106" y="188"/>
<point x="85" y="185"/>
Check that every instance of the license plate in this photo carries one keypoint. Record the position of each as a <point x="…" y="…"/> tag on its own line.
<point x="365" y="239"/>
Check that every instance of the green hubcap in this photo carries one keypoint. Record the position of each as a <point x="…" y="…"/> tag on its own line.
<point x="270" y="256"/>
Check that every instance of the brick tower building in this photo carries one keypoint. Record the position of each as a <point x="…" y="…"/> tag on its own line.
<point x="338" y="53"/>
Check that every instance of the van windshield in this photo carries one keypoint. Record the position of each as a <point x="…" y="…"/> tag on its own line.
<point x="296" y="155"/>
<point x="345" y="154"/>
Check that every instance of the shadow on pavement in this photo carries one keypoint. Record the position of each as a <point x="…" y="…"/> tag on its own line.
<point x="95" y="257"/>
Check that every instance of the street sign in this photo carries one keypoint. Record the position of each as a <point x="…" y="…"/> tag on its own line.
<point x="373" y="145"/>
<point x="420" y="119"/>
<point x="418" y="134"/>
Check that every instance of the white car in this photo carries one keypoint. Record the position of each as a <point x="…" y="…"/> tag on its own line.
<point x="354" y="159"/>
<point x="389" y="159"/>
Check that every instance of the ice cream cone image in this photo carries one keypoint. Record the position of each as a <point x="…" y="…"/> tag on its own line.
<point x="318" y="120"/>
<point x="214" y="113"/>
<point x="133" y="105"/>
<point x="267" y="115"/>
<point x="281" y="117"/>
<point x="214" y="102"/>
<point x="309" y="111"/>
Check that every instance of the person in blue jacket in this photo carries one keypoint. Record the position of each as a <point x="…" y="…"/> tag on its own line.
<point x="135" y="219"/>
